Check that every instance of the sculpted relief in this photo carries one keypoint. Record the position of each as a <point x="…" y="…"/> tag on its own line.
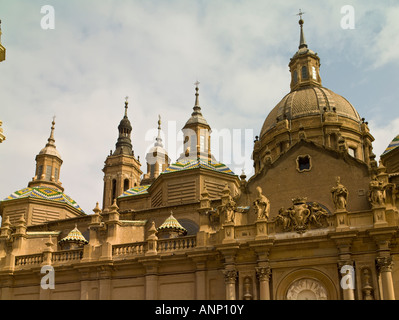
<point x="301" y="216"/>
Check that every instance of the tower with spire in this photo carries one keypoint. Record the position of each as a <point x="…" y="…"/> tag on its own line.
<point x="157" y="159"/>
<point x="122" y="169"/>
<point x="48" y="165"/>
<point x="305" y="64"/>
<point x="197" y="134"/>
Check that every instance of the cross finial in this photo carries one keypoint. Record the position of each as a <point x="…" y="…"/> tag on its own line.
<point x="300" y="13"/>
<point x="197" y="83"/>
<point x="126" y="105"/>
<point x="300" y="17"/>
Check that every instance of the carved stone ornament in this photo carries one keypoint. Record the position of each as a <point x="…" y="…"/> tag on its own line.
<point x="263" y="273"/>
<point x="339" y="195"/>
<point x="367" y="289"/>
<point x="230" y="276"/>
<point x="301" y="216"/>
<point x="261" y="205"/>
<point x="306" y="289"/>
<point x="384" y="264"/>
<point x="376" y="194"/>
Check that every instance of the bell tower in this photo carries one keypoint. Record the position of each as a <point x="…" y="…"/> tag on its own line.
<point x="157" y="159"/>
<point x="197" y="134"/>
<point x="122" y="170"/>
<point x="48" y="165"/>
<point x="305" y="64"/>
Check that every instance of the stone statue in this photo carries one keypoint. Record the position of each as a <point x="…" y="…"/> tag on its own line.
<point x="261" y="205"/>
<point x="376" y="193"/>
<point x="227" y="210"/>
<point x="339" y="195"/>
<point x="230" y="211"/>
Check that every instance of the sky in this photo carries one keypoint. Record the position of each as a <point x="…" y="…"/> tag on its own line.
<point x="98" y="52"/>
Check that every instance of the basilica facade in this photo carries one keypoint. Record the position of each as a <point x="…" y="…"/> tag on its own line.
<point x="318" y="220"/>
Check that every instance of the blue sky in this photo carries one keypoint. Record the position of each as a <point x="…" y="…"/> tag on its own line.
<point x="153" y="52"/>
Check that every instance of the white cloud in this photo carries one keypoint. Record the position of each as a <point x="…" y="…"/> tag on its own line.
<point x="153" y="51"/>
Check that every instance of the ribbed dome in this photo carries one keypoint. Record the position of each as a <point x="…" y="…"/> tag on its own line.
<point x="309" y="101"/>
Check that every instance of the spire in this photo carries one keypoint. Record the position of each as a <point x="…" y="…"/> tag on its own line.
<point x="196" y="116"/>
<point x="158" y="139"/>
<point x="50" y="148"/>
<point x="302" y="40"/>
<point x="51" y="140"/>
<point x="126" y="105"/>
<point x="197" y="108"/>
<point x="124" y="144"/>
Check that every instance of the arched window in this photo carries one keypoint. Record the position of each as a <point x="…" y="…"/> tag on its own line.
<point x="113" y="189"/>
<point x="304" y="72"/>
<point x="125" y="185"/>
<point x="295" y="77"/>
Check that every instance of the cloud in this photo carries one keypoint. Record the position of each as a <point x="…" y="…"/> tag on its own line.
<point x="153" y="52"/>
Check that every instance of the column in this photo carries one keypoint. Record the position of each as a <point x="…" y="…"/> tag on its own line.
<point x="230" y="278"/>
<point x="200" y="281"/>
<point x="384" y="267"/>
<point x="347" y="283"/>
<point x="104" y="292"/>
<point x="151" y="281"/>
<point x="263" y="274"/>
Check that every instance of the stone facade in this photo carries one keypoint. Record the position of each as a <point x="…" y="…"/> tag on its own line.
<point x="318" y="220"/>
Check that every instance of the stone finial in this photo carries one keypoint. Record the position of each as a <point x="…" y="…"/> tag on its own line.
<point x="96" y="217"/>
<point x="152" y="232"/>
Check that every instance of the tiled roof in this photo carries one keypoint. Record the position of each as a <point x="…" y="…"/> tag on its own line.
<point x="74" y="236"/>
<point x="171" y="223"/>
<point x="135" y="191"/>
<point x="45" y="193"/>
<point x="393" y="145"/>
<point x="198" y="163"/>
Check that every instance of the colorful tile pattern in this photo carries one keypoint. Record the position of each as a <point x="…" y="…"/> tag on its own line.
<point x="74" y="236"/>
<point x="171" y="223"/>
<point x="199" y="163"/>
<point x="44" y="193"/>
<point x="135" y="191"/>
<point x="393" y="145"/>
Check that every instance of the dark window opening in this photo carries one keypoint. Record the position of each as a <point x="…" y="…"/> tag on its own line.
<point x="126" y="185"/>
<point x="113" y="189"/>
<point x="304" y="72"/>
<point x="303" y="163"/>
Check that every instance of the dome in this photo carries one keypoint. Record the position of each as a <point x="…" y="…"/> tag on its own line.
<point x="50" y="150"/>
<point x="74" y="236"/>
<point x="171" y="224"/>
<point x="393" y="145"/>
<point x="309" y="101"/>
<point x="125" y="124"/>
